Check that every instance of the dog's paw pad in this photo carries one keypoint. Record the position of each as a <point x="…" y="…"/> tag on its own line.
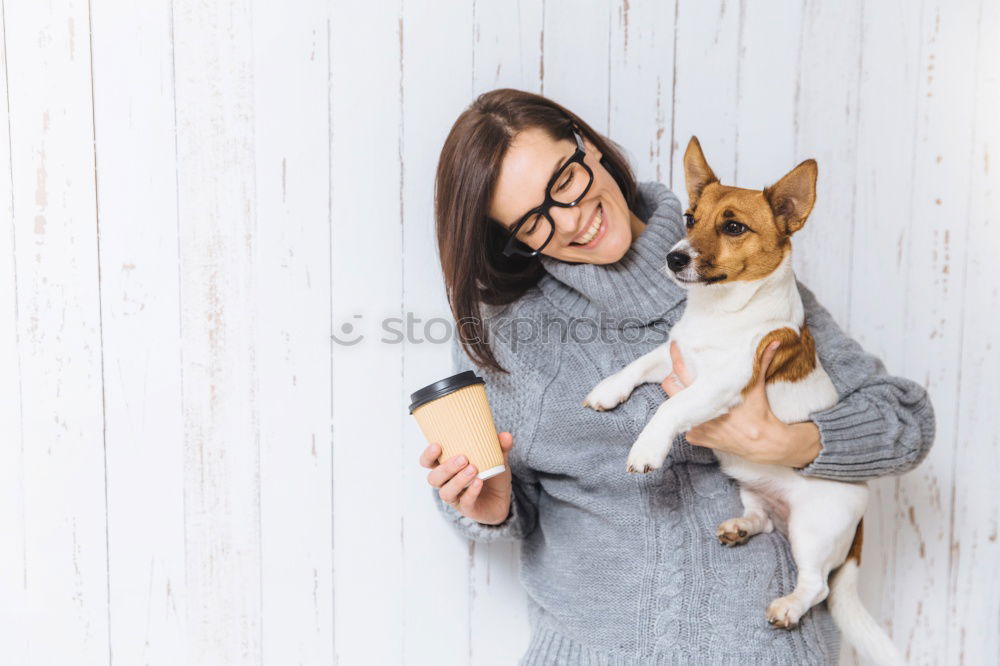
<point x="733" y="531"/>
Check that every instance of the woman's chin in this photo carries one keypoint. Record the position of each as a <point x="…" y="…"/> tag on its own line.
<point x="612" y="248"/>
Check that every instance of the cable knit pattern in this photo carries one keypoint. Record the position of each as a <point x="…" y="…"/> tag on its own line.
<point x="625" y="569"/>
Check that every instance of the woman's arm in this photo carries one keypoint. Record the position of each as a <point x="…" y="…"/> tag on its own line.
<point x="523" y="515"/>
<point x="882" y="425"/>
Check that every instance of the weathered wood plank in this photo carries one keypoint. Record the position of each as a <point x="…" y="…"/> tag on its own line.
<point x="137" y="200"/>
<point x="59" y="567"/>
<point x="973" y="606"/>
<point x="292" y="304"/>
<point x="936" y="214"/>
<point x="366" y="42"/>
<point x="882" y="176"/>
<point x="219" y="249"/>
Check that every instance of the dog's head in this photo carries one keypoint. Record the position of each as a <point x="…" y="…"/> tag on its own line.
<point x="737" y="234"/>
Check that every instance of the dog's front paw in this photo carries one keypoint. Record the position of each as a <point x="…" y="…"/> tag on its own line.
<point x="648" y="453"/>
<point x="608" y="394"/>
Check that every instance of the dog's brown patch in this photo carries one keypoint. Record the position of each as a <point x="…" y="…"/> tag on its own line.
<point x="794" y="360"/>
<point x="855" y="552"/>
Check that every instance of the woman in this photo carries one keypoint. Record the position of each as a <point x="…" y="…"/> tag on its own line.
<point x="553" y="264"/>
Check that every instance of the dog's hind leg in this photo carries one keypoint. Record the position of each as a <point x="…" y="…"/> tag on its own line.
<point x="819" y="540"/>
<point x="755" y="520"/>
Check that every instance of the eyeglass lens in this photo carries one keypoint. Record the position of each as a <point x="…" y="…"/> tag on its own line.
<point x="567" y="188"/>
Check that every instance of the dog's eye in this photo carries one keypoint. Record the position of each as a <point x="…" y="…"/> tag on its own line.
<point x="688" y="220"/>
<point x="733" y="228"/>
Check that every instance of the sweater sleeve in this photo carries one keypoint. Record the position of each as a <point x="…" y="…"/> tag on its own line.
<point x="519" y="522"/>
<point x="883" y="425"/>
<point x="523" y="514"/>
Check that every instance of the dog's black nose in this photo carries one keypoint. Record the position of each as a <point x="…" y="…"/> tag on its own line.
<point x="677" y="260"/>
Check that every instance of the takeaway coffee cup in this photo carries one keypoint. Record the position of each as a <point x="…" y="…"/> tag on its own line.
<point x="455" y="413"/>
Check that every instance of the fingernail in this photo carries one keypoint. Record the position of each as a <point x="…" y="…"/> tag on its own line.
<point x="468" y="470"/>
<point x="460" y="460"/>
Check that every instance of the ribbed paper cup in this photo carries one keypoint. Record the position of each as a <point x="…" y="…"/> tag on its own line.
<point x="455" y="413"/>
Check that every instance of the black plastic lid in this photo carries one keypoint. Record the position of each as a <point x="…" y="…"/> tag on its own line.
<point x="443" y="387"/>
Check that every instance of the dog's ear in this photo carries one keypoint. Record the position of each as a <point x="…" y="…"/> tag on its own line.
<point x="697" y="173"/>
<point x="792" y="197"/>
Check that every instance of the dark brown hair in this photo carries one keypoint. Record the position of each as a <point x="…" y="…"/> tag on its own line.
<point x="469" y="241"/>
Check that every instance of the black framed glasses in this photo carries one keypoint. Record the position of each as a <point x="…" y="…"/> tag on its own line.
<point x="567" y="187"/>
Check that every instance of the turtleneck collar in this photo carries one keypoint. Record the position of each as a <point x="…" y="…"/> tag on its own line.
<point x="636" y="287"/>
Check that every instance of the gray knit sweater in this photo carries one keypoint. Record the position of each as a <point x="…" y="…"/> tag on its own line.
<point x="626" y="569"/>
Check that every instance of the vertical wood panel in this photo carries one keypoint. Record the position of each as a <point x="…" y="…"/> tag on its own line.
<point x="883" y="175"/>
<point x="62" y="565"/>
<point x="766" y="99"/>
<point x="705" y="87"/>
<point x="367" y="278"/>
<point x="137" y="199"/>
<point x="641" y="86"/>
<point x="218" y="245"/>
<point x="939" y="211"/>
<point x="507" y="49"/>
<point x="826" y="130"/>
<point x="14" y="617"/>
<point x="576" y="58"/>
<point x="973" y="606"/>
<point x="292" y="344"/>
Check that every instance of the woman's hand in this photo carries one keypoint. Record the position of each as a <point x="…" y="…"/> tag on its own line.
<point x="486" y="502"/>
<point x="750" y="430"/>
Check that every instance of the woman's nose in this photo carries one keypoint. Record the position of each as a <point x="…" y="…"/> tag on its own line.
<point x="567" y="220"/>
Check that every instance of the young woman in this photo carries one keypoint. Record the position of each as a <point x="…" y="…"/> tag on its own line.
<point x="553" y="261"/>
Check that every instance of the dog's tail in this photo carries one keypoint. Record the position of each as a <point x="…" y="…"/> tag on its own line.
<point x="854" y="621"/>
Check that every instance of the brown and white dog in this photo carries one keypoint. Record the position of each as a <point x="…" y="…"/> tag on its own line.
<point x="735" y="263"/>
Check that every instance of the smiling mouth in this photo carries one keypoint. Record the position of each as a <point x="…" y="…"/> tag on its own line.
<point x="599" y="219"/>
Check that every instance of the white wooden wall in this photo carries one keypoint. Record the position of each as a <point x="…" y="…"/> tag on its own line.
<point x="198" y="195"/>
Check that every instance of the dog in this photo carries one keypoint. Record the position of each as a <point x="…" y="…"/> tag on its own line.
<point x="735" y="264"/>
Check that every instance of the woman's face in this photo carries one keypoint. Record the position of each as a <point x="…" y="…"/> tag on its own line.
<point x="531" y="160"/>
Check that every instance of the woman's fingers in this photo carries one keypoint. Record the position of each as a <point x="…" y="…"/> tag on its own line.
<point x="765" y="361"/>
<point x="672" y="385"/>
<point x="452" y="477"/>
<point x="443" y="472"/>
<point x="467" y="501"/>
<point x="458" y="482"/>
<point x="429" y="456"/>
<point x="677" y="361"/>
<point x="678" y="378"/>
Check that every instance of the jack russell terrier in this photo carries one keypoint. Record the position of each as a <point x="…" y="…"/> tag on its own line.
<point x="735" y="264"/>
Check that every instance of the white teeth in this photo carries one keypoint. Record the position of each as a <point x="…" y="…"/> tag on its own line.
<point x="589" y="236"/>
